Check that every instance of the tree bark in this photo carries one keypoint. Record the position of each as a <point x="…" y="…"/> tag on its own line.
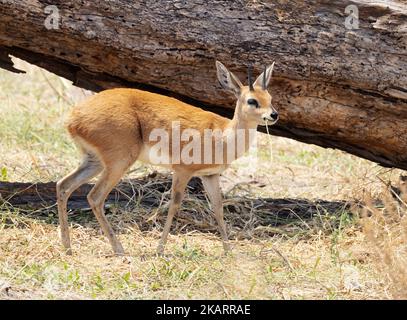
<point x="333" y="86"/>
<point x="38" y="195"/>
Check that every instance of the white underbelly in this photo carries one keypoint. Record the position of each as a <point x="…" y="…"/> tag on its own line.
<point x="165" y="161"/>
<point x="212" y="170"/>
<point x="149" y="157"/>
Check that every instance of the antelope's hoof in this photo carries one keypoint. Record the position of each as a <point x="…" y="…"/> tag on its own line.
<point x="160" y="250"/>
<point x="227" y="248"/>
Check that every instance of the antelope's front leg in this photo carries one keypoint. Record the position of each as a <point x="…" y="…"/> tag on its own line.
<point x="179" y="183"/>
<point x="212" y="187"/>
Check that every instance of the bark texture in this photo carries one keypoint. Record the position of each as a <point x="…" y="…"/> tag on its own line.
<point x="333" y="86"/>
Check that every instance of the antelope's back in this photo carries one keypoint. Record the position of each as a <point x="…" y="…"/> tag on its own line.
<point x="116" y="110"/>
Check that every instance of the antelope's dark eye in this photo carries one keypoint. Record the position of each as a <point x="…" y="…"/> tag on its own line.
<point x="253" y="103"/>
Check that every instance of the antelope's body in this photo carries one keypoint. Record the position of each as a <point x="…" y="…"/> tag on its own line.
<point x="113" y="129"/>
<point x="123" y="119"/>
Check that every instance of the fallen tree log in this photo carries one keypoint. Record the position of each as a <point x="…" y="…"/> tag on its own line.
<point x="334" y="87"/>
<point x="40" y="195"/>
<point x="145" y="198"/>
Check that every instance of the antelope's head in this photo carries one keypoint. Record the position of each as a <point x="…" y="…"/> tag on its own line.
<point x="253" y="100"/>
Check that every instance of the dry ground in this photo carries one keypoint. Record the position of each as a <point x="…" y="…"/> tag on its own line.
<point x="328" y="256"/>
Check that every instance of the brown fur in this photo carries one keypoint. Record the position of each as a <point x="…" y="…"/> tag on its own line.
<point x="124" y="118"/>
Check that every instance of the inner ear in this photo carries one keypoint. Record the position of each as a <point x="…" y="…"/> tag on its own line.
<point x="236" y="81"/>
<point x="227" y="79"/>
<point x="263" y="80"/>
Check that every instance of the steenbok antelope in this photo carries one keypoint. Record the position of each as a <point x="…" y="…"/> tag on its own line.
<point x="116" y="127"/>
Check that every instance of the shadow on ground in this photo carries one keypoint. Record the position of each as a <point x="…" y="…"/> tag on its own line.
<point x="144" y="202"/>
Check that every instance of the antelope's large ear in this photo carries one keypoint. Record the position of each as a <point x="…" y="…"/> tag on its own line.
<point x="227" y="79"/>
<point x="263" y="80"/>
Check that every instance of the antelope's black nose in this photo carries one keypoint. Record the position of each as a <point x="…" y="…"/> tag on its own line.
<point x="274" y="115"/>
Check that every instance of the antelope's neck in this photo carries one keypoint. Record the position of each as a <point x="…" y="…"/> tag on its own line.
<point x="244" y="131"/>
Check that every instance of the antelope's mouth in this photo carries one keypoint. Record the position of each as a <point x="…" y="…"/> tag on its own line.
<point x="268" y="121"/>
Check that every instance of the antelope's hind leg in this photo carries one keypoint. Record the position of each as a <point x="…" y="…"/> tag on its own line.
<point x="97" y="196"/>
<point x="88" y="169"/>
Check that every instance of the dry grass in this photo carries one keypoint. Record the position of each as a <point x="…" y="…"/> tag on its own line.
<point x="315" y="252"/>
<point x="385" y="225"/>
